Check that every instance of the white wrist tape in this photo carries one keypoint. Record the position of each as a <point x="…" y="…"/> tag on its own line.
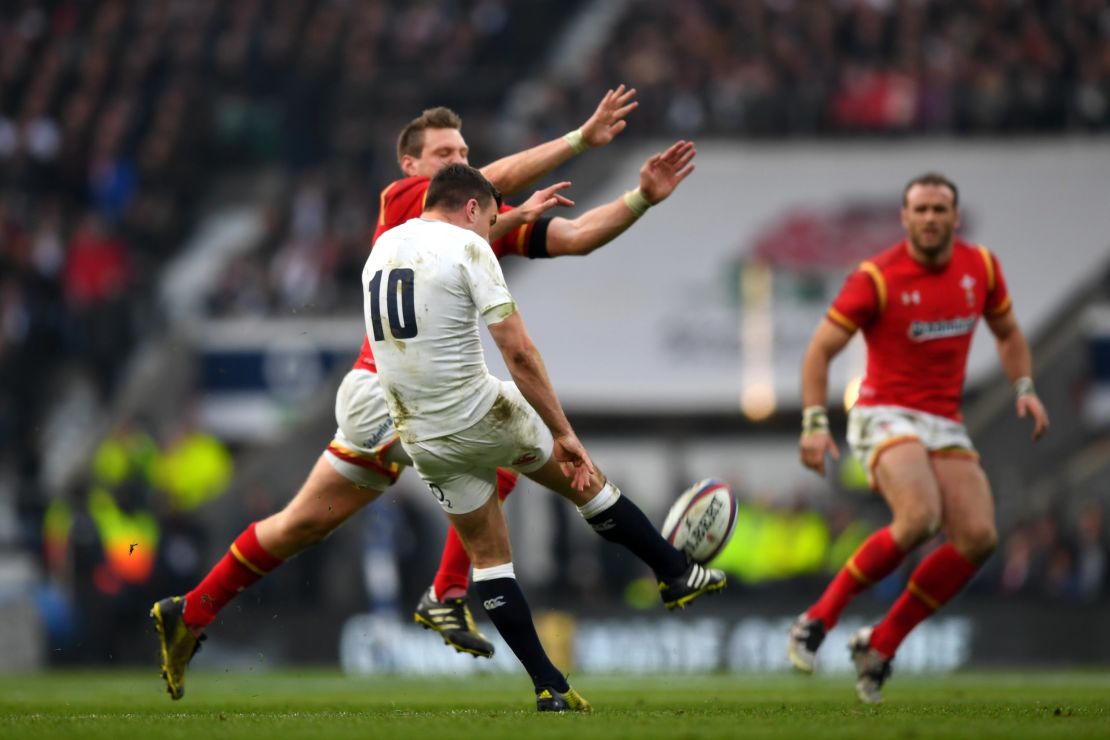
<point x="814" y="419"/>
<point x="576" y="140"/>
<point x="636" y="202"/>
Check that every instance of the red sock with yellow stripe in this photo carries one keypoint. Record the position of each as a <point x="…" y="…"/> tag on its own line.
<point x="933" y="584"/>
<point x="875" y="559"/>
<point x="245" y="563"/>
<point x="453" y="576"/>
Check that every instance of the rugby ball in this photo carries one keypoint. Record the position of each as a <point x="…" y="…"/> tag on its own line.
<point x="701" y="521"/>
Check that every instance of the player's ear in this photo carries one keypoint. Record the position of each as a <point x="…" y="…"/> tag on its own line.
<point x="408" y="165"/>
<point x="473" y="210"/>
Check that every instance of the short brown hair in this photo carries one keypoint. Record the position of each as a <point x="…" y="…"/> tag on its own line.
<point x="456" y="184"/>
<point x="411" y="139"/>
<point x="932" y="178"/>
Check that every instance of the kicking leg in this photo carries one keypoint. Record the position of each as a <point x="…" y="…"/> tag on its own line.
<point x="617" y="519"/>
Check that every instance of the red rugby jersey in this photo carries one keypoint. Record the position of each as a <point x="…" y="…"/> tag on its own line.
<point x="403" y="200"/>
<point x="918" y="322"/>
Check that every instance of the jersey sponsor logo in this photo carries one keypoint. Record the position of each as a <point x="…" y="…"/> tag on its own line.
<point x="494" y="603"/>
<point x="378" y="434"/>
<point x="924" y="331"/>
<point x="604" y="526"/>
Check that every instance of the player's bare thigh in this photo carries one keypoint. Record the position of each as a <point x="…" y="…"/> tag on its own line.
<point x="968" y="507"/>
<point x="325" y="500"/>
<point x="906" y="480"/>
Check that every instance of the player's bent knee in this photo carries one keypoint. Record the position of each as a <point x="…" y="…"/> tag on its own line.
<point x="913" y="528"/>
<point x="977" y="542"/>
<point x="304" y="531"/>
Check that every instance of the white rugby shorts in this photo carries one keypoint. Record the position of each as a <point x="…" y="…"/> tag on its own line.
<point x="460" y="469"/>
<point x="364" y="449"/>
<point x="874" y="429"/>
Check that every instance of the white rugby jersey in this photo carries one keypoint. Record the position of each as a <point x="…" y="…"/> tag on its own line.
<point x="424" y="286"/>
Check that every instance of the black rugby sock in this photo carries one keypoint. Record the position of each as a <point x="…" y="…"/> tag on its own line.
<point x="504" y="603"/>
<point x="624" y="523"/>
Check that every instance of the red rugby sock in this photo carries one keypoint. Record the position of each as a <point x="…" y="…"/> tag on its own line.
<point x="875" y="559"/>
<point x="933" y="584"/>
<point x="244" y="564"/>
<point x="453" y="577"/>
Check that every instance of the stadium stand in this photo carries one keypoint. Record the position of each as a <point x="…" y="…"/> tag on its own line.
<point x="128" y="126"/>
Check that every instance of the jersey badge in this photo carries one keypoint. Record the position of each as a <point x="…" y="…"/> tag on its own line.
<point x="968" y="283"/>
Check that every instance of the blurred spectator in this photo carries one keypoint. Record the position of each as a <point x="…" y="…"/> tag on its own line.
<point x="30" y="318"/>
<point x="1091" y="552"/>
<point x="193" y="468"/>
<point x="1060" y="576"/>
<point x="1017" y="554"/>
<point x="96" y="280"/>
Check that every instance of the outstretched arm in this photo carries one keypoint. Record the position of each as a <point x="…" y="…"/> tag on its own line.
<point x="515" y="172"/>
<point x="659" y="176"/>
<point x="526" y="366"/>
<point x="1017" y="363"/>
<point x="827" y="342"/>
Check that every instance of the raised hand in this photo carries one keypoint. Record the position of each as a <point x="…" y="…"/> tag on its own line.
<point x="662" y="172"/>
<point x="608" y="120"/>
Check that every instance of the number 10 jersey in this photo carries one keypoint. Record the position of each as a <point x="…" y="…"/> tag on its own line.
<point x="425" y="285"/>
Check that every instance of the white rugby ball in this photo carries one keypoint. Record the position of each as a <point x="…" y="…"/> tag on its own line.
<point x="701" y="521"/>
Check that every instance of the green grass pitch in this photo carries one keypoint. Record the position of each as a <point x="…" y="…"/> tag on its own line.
<point x="321" y="704"/>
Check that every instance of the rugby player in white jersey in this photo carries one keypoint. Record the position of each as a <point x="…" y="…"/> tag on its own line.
<point x="426" y="284"/>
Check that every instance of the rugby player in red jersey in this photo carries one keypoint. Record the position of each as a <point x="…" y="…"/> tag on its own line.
<point x="363" y="459"/>
<point x="917" y="304"/>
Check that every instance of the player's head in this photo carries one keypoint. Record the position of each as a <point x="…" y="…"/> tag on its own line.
<point x="430" y="142"/>
<point x="930" y="212"/>
<point x="462" y="193"/>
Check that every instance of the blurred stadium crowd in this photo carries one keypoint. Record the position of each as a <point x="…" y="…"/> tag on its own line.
<point x="122" y="121"/>
<point x="787" y="67"/>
